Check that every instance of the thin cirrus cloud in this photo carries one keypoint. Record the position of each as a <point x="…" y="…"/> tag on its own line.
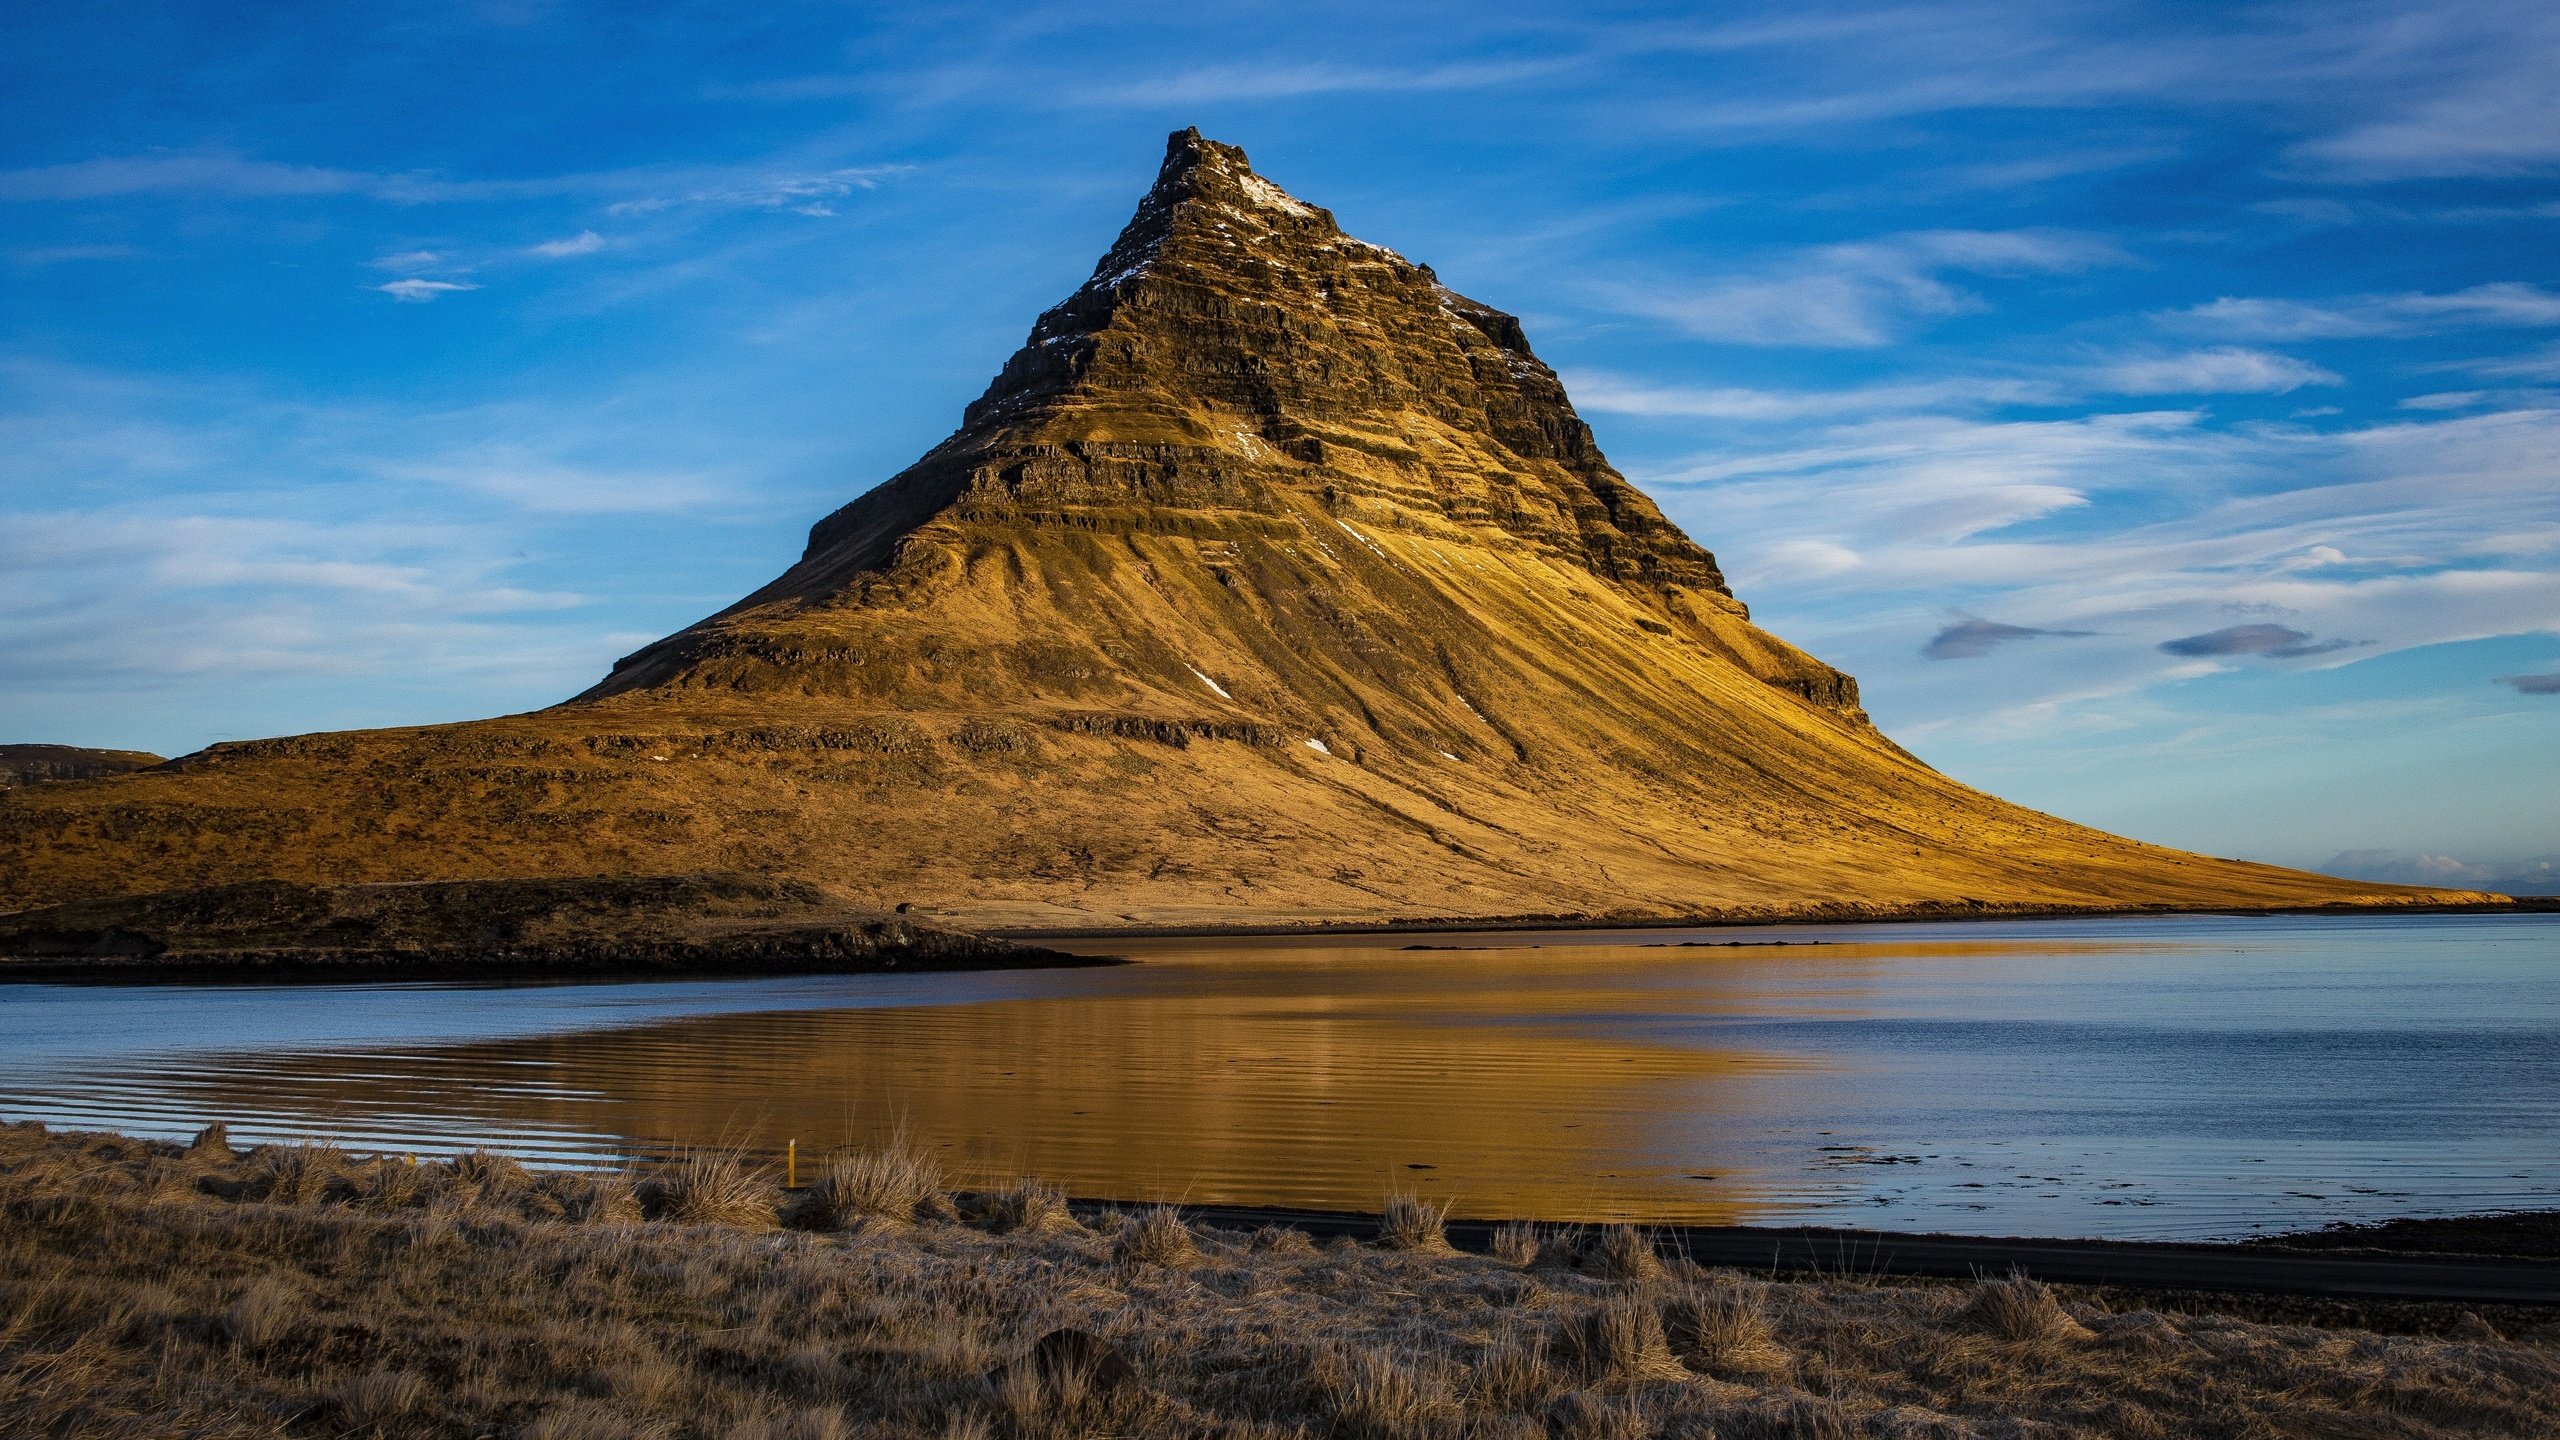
<point x="1279" y="80"/>
<point x="2374" y="93"/>
<point x="1858" y="295"/>
<point x="2227" y="370"/>
<point x="2542" y="364"/>
<point x="2500" y="304"/>
<point x="1613" y="394"/>
<point x="1971" y="637"/>
<point x="639" y="190"/>
<point x="414" y="291"/>
<point x="805" y="194"/>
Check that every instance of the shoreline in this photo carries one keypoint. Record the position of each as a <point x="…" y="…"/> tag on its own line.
<point x="2275" y="1266"/>
<point x="828" y="951"/>
<point x="501" y="968"/>
<point x="1730" y="919"/>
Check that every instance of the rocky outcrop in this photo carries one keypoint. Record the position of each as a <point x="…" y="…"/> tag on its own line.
<point x="1270" y="580"/>
<point x="34" y="764"/>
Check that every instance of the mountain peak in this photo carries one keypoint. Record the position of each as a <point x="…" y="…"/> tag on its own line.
<point x="1234" y="357"/>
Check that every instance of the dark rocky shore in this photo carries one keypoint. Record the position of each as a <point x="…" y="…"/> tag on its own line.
<point x="593" y="929"/>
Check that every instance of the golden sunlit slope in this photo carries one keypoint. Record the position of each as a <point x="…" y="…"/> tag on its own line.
<point x="1270" y="580"/>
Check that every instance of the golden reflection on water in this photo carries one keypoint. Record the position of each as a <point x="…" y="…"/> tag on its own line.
<point x="1566" y="1080"/>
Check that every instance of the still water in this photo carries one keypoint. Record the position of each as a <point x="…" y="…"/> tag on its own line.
<point x="2187" y="1077"/>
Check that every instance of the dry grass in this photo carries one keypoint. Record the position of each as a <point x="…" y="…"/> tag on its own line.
<point x="1517" y="1242"/>
<point x="1025" y="1205"/>
<point x="1410" y="1222"/>
<point x="709" y="1187"/>
<point x="149" y="1291"/>
<point x="2016" y="1308"/>
<point x="898" y="1182"/>
<point x="1724" y="1331"/>
<point x="1157" y="1236"/>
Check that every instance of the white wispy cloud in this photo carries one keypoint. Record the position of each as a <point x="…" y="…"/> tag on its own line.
<point x="2506" y="303"/>
<point x="2225" y="370"/>
<point x="585" y="242"/>
<point x="2376" y="92"/>
<point x="1276" y="79"/>
<point x="415" y="291"/>
<point x="804" y="193"/>
<point x="1606" y="393"/>
<point x="769" y="183"/>
<point x="1861" y="294"/>
<point x="536" y="480"/>
<point x="2542" y="364"/>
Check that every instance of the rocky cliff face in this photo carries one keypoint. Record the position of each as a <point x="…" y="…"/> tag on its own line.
<point x="34" y="764"/>
<point x="1269" y="580"/>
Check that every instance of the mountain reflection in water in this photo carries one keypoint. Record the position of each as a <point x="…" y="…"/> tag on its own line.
<point x="2158" y="1077"/>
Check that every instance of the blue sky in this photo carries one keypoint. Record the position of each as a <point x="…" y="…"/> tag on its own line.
<point x="2154" y="406"/>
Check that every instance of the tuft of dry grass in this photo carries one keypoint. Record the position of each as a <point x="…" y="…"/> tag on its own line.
<point x="1619" y="1341"/>
<point x="1157" y="1236"/>
<point x="1410" y="1222"/>
<point x="1724" y="1330"/>
<point x="145" y="1291"/>
<point x="1025" y="1206"/>
<point x="1612" y="1252"/>
<point x="490" y="1174"/>
<point x="1517" y="1242"/>
<point x="1283" y="1240"/>
<point x="708" y="1187"/>
<point x="1515" y="1374"/>
<point x="1376" y="1396"/>
<point x="2022" y="1310"/>
<point x="212" y="1144"/>
<point x="380" y="1397"/>
<point x="898" y="1182"/>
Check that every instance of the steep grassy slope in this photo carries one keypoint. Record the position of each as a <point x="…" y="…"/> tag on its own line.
<point x="1269" y="580"/>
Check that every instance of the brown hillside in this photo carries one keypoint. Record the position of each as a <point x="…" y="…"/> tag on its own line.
<point x="1270" y="580"/>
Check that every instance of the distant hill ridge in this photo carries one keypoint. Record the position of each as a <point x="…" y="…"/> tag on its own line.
<point x="1269" y="581"/>
<point x="32" y="764"/>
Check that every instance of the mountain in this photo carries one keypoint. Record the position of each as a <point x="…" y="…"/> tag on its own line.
<point x="1270" y="580"/>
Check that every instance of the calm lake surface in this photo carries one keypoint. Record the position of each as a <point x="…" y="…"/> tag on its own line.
<point x="2161" y="1078"/>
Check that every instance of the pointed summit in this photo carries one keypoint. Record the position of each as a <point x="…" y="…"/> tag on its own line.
<point x="1269" y="580"/>
<point x="1236" y="355"/>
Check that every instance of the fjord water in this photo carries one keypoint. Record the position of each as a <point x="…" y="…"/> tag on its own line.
<point x="2190" y="1077"/>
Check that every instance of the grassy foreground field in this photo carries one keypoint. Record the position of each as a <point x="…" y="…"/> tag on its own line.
<point x="151" y="1290"/>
